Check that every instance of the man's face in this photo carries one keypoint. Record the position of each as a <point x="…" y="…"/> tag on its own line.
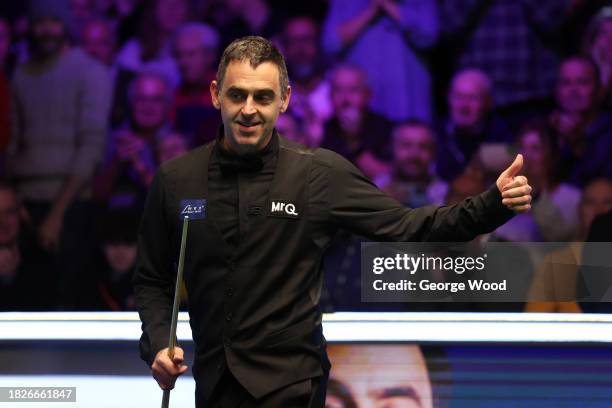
<point x="250" y="102"/>
<point x="535" y="153"/>
<point x="301" y="42"/>
<point x="468" y="102"/>
<point x="596" y="200"/>
<point x="413" y="148"/>
<point x="98" y="42"/>
<point x="349" y="91"/>
<point x="387" y="376"/>
<point x="576" y="87"/>
<point x="120" y="257"/>
<point x="9" y="217"/>
<point x="192" y="58"/>
<point x="48" y="36"/>
<point x="150" y="103"/>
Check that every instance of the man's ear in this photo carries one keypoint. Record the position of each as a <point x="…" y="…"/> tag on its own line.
<point x="285" y="104"/>
<point x="214" y="94"/>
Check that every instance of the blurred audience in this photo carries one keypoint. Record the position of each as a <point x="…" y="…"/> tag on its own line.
<point x="598" y="45"/>
<point x="470" y="125"/>
<point x="310" y="99"/>
<point x="412" y="180"/>
<point x="554" y="210"/>
<point x="144" y="67"/>
<point x="386" y="39"/>
<point x="151" y="49"/>
<point x="5" y="96"/>
<point x="554" y="285"/>
<point x="584" y="129"/>
<point x="195" y="47"/>
<point x="59" y="128"/>
<point x="170" y="146"/>
<point x="130" y="161"/>
<point x="512" y="42"/>
<point x="354" y="131"/>
<point x="109" y="287"/>
<point x="237" y="18"/>
<point x="27" y="276"/>
<point x="99" y="40"/>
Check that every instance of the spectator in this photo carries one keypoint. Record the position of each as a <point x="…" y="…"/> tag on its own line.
<point x="27" y="276"/>
<point x="386" y="39"/>
<point x="354" y="131"/>
<point x="99" y="41"/>
<point x="58" y="137"/>
<point x="554" y="285"/>
<point x="509" y="41"/>
<point x="310" y="93"/>
<point x="554" y="215"/>
<point x="585" y="131"/>
<point x="598" y="45"/>
<point x="287" y="126"/>
<point x="170" y="146"/>
<point x="412" y="180"/>
<point x="195" y="47"/>
<point x="83" y="11"/>
<point x="470" y="124"/>
<point x="239" y="18"/>
<point x="150" y="50"/>
<point x="110" y="286"/>
<point x="130" y="159"/>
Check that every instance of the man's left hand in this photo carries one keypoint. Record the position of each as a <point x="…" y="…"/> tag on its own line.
<point x="515" y="189"/>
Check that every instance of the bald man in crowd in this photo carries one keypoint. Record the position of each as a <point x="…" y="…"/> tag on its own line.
<point x="470" y="123"/>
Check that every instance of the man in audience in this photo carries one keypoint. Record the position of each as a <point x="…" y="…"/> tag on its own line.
<point x="470" y="123"/>
<point x="310" y="99"/>
<point x="412" y="180"/>
<point x="510" y="42"/>
<point x="584" y="130"/>
<point x="195" y="49"/>
<point x="61" y="103"/>
<point x="387" y="39"/>
<point x="99" y="40"/>
<point x="130" y="159"/>
<point x="354" y="131"/>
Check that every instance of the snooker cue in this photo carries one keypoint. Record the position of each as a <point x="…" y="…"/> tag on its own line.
<point x="175" y="306"/>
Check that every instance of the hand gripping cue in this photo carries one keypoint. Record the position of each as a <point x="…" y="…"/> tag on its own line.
<point x="177" y="302"/>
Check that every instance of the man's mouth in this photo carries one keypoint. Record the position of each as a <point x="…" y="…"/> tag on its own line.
<point x="247" y="126"/>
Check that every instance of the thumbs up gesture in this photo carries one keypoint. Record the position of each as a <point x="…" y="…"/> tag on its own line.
<point x="515" y="190"/>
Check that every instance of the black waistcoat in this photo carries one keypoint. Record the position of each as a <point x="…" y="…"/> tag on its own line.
<point x="254" y="307"/>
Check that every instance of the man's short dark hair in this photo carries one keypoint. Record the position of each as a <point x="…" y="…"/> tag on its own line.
<point x="256" y="50"/>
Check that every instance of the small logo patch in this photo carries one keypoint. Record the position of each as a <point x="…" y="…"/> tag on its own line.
<point x="283" y="208"/>
<point x="194" y="209"/>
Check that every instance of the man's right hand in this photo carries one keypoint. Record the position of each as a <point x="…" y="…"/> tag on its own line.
<point x="166" y="370"/>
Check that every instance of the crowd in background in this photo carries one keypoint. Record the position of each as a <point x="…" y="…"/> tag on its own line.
<point x="429" y="99"/>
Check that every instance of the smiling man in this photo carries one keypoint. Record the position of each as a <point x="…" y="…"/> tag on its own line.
<point x="267" y="208"/>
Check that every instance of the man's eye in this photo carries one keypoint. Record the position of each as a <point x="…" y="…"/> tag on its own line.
<point x="263" y="98"/>
<point x="236" y="96"/>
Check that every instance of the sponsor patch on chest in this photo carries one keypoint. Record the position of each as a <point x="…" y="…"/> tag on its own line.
<point x="194" y="209"/>
<point x="283" y="208"/>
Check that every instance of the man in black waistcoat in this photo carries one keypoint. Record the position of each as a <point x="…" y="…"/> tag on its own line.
<point x="263" y="209"/>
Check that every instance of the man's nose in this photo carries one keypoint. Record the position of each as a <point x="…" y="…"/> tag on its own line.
<point x="249" y="106"/>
